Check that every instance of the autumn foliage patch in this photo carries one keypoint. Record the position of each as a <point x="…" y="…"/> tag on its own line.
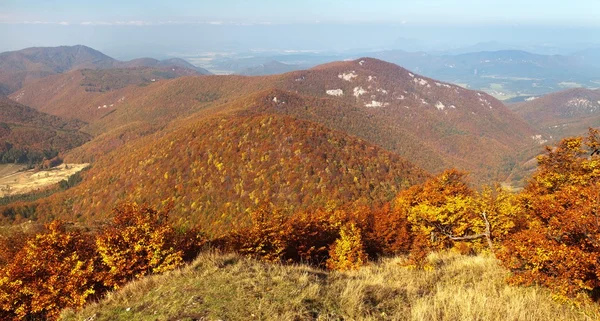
<point x="560" y="245"/>
<point x="548" y="234"/>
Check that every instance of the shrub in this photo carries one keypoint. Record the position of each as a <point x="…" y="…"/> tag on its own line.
<point x="54" y="270"/>
<point x="139" y="241"/>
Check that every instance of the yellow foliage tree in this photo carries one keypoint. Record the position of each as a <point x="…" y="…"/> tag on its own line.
<point x="138" y="242"/>
<point x="444" y="210"/>
<point x="347" y="253"/>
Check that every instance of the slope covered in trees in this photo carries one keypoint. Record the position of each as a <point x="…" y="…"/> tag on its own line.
<point x="217" y="169"/>
<point x="562" y="114"/>
<point x="90" y="94"/>
<point x="433" y="124"/>
<point x="28" y="136"/>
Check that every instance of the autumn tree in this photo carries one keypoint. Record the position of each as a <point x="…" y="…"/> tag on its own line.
<point x="139" y="241"/>
<point x="445" y="212"/>
<point x="560" y="244"/>
<point x="54" y="270"/>
<point x="347" y="253"/>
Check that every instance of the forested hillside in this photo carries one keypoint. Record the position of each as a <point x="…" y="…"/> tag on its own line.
<point x="433" y="124"/>
<point x="562" y="114"/>
<point x="19" y="68"/>
<point x="216" y="170"/>
<point x="28" y="136"/>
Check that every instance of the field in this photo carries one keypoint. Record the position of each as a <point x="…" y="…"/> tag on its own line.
<point x="9" y="169"/>
<point x="230" y="287"/>
<point x="13" y="182"/>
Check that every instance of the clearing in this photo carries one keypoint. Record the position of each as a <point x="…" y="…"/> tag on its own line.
<point x="13" y="182"/>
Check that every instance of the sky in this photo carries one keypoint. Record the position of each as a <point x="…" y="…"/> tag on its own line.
<point x="188" y="26"/>
<point x="550" y="12"/>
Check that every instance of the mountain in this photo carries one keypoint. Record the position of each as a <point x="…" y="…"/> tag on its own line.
<point x="27" y="135"/>
<point x="216" y="169"/>
<point x="18" y="68"/>
<point x="434" y="124"/>
<point x="589" y="56"/>
<point x="505" y="74"/>
<point x="88" y="94"/>
<point x="431" y="123"/>
<point x="566" y="113"/>
<point x="271" y="67"/>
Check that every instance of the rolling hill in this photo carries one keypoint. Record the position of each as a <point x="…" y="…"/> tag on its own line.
<point x="27" y="135"/>
<point x="216" y="169"/>
<point x="566" y="113"/>
<point x="18" y="68"/>
<point x="88" y="95"/>
<point x="433" y="124"/>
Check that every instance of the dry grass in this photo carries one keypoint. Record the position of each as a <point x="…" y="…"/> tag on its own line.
<point x="31" y="180"/>
<point x="230" y="287"/>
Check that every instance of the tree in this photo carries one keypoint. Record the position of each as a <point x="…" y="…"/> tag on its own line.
<point x="347" y="253"/>
<point x="444" y="211"/>
<point x="54" y="270"/>
<point x="140" y="241"/>
<point x="560" y="244"/>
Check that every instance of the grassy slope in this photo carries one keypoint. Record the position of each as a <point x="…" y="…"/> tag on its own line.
<point x="229" y="287"/>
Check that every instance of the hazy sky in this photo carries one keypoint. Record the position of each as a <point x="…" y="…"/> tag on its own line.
<point x="555" y="12"/>
<point x="129" y="28"/>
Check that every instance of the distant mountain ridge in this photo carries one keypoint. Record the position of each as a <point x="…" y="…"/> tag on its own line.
<point x="504" y="74"/>
<point x="566" y="113"/>
<point x="21" y="67"/>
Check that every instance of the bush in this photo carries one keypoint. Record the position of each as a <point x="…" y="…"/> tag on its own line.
<point x="55" y="270"/>
<point x="140" y="241"/>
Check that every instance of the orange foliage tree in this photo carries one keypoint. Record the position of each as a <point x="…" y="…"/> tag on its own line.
<point x="560" y="244"/>
<point x="54" y="270"/>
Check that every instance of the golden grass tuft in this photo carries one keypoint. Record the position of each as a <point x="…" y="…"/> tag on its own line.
<point x="230" y="287"/>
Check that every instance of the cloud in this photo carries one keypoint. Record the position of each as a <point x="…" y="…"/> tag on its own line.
<point x="63" y="23"/>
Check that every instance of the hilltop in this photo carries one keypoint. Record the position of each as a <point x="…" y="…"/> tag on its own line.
<point x="18" y="68"/>
<point x="215" y="170"/>
<point x="230" y="287"/>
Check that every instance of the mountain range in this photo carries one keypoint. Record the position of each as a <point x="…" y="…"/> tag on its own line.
<point x="18" y="68"/>
<point x="219" y="145"/>
<point x="505" y="74"/>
